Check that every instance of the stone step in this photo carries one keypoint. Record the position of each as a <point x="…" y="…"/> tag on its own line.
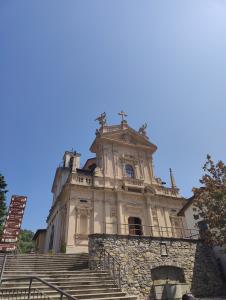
<point x="46" y="269"/>
<point x="58" y="282"/>
<point x="65" y="287"/>
<point x="65" y="273"/>
<point x="47" y="255"/>
<point x="64" y="278"/>
<point x="112" y="295"/>
<point x="68" y="272"/>
<point x="99" y="295"/>
<point x="51" y="268"/>
<point x="46" y="259"/>
<point x="116" y="298"/>
<point x="34" y="297"/>
<point x="42" y="262"/>
<point x="49" y="291"/>
<point x="53" y="275"/>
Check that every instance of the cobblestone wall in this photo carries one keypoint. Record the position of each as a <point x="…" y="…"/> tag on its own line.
<point x="143" y="260"/>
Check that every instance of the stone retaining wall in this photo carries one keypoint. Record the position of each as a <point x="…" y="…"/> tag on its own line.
<point x="144" y="262"/>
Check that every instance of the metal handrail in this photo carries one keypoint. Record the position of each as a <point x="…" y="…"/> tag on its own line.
<point x="3" y="268"/>
<point x="162" y="231"/>
<point x="106" y="260"/>
<point x="31" y="278"/>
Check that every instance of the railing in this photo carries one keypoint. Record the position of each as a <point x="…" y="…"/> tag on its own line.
<point x="166" y="190"/>
<point x="3" y="267"/>
<point x="133" y="182"/>
<point x="110" y="263"/>
<point x="153" y="231"/>
<point x="31" y="292"/>
<point x="81" y="179"/>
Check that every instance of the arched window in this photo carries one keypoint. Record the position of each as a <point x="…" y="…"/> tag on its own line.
<point x="129" y="171"/>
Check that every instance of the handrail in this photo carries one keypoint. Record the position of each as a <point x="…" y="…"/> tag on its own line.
<point x="112" y="257"/>
<point x="3" y="268"/>
<point x="31" y="278"/>
<point x="149" y="230"/>
<point x="107" y="257"/>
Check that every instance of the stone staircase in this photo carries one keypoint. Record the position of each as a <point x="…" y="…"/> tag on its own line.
<point x="68" y="272"/>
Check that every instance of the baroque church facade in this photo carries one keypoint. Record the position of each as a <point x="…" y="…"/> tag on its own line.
<point x="115" y="192"/>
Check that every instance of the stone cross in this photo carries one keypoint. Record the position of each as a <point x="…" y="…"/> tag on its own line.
<point x="123" y="115"/>
<point x="101" y="119"/>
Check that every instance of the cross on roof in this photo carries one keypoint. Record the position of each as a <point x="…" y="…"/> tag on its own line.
<point x="122" y="114"/>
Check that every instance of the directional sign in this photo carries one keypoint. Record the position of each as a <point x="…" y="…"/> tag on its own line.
<point x="13" y="222"/>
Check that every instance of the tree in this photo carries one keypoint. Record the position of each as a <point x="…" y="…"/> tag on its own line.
<point x="210" y="202"/>
<point x="25" y="243"/>
<point x="3" y="207"/>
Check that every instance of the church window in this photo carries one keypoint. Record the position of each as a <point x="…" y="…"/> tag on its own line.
<point x="135" y="226"/>
<point x="129" y="171"/>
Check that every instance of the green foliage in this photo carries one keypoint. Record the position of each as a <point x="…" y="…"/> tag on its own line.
<point x="3" y="207"/>
<point x="25" y="243"/>
<point x="210" y="202"/>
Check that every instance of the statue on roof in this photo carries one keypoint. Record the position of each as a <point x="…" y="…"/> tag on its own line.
<point x="142" y="129"/>
<point x="102" y="119"/>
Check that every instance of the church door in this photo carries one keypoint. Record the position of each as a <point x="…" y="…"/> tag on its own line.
<point x="135" y="226"/>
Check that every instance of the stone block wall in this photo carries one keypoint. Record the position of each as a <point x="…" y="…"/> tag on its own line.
<point x="148" y="262"/>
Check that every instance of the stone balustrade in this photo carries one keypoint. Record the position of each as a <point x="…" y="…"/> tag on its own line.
<point x="81" y="179"/>
<point x="161" y="190"/>
<point x="133" y="182"/>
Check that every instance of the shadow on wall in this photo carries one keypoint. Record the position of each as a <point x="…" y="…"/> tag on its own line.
<point x="207" y="279"/>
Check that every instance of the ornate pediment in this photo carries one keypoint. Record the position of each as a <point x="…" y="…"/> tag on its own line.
<point x="149" y="190"/>
<point x="127" y="136"/>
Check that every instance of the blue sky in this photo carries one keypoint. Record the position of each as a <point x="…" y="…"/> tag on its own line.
<point x="64" y="62"/>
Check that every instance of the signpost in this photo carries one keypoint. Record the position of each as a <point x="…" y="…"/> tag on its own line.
<point x="13" y="223"/>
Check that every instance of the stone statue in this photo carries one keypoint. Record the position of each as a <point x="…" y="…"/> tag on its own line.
<point x="142" y="129"/>
<point x="102" y="119"/>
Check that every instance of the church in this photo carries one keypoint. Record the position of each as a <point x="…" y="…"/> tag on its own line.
<point x="114" y="192"/>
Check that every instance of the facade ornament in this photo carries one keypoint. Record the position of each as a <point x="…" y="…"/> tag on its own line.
<point x="98" y="172"/>
<point x="123" y="115"/>
<point x="97" y="132"/>
<point x="102" y="119"/>
<point x="142" y="129"/>
<point x="149" y="190"/>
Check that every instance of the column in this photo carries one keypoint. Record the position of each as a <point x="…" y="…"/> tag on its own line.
<point x="168" y="222"/>
<point x="149" y="221"/>
<point x="71" y="227"/>
<point x="119" y="214"/>
<point x="104" y="215"/>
